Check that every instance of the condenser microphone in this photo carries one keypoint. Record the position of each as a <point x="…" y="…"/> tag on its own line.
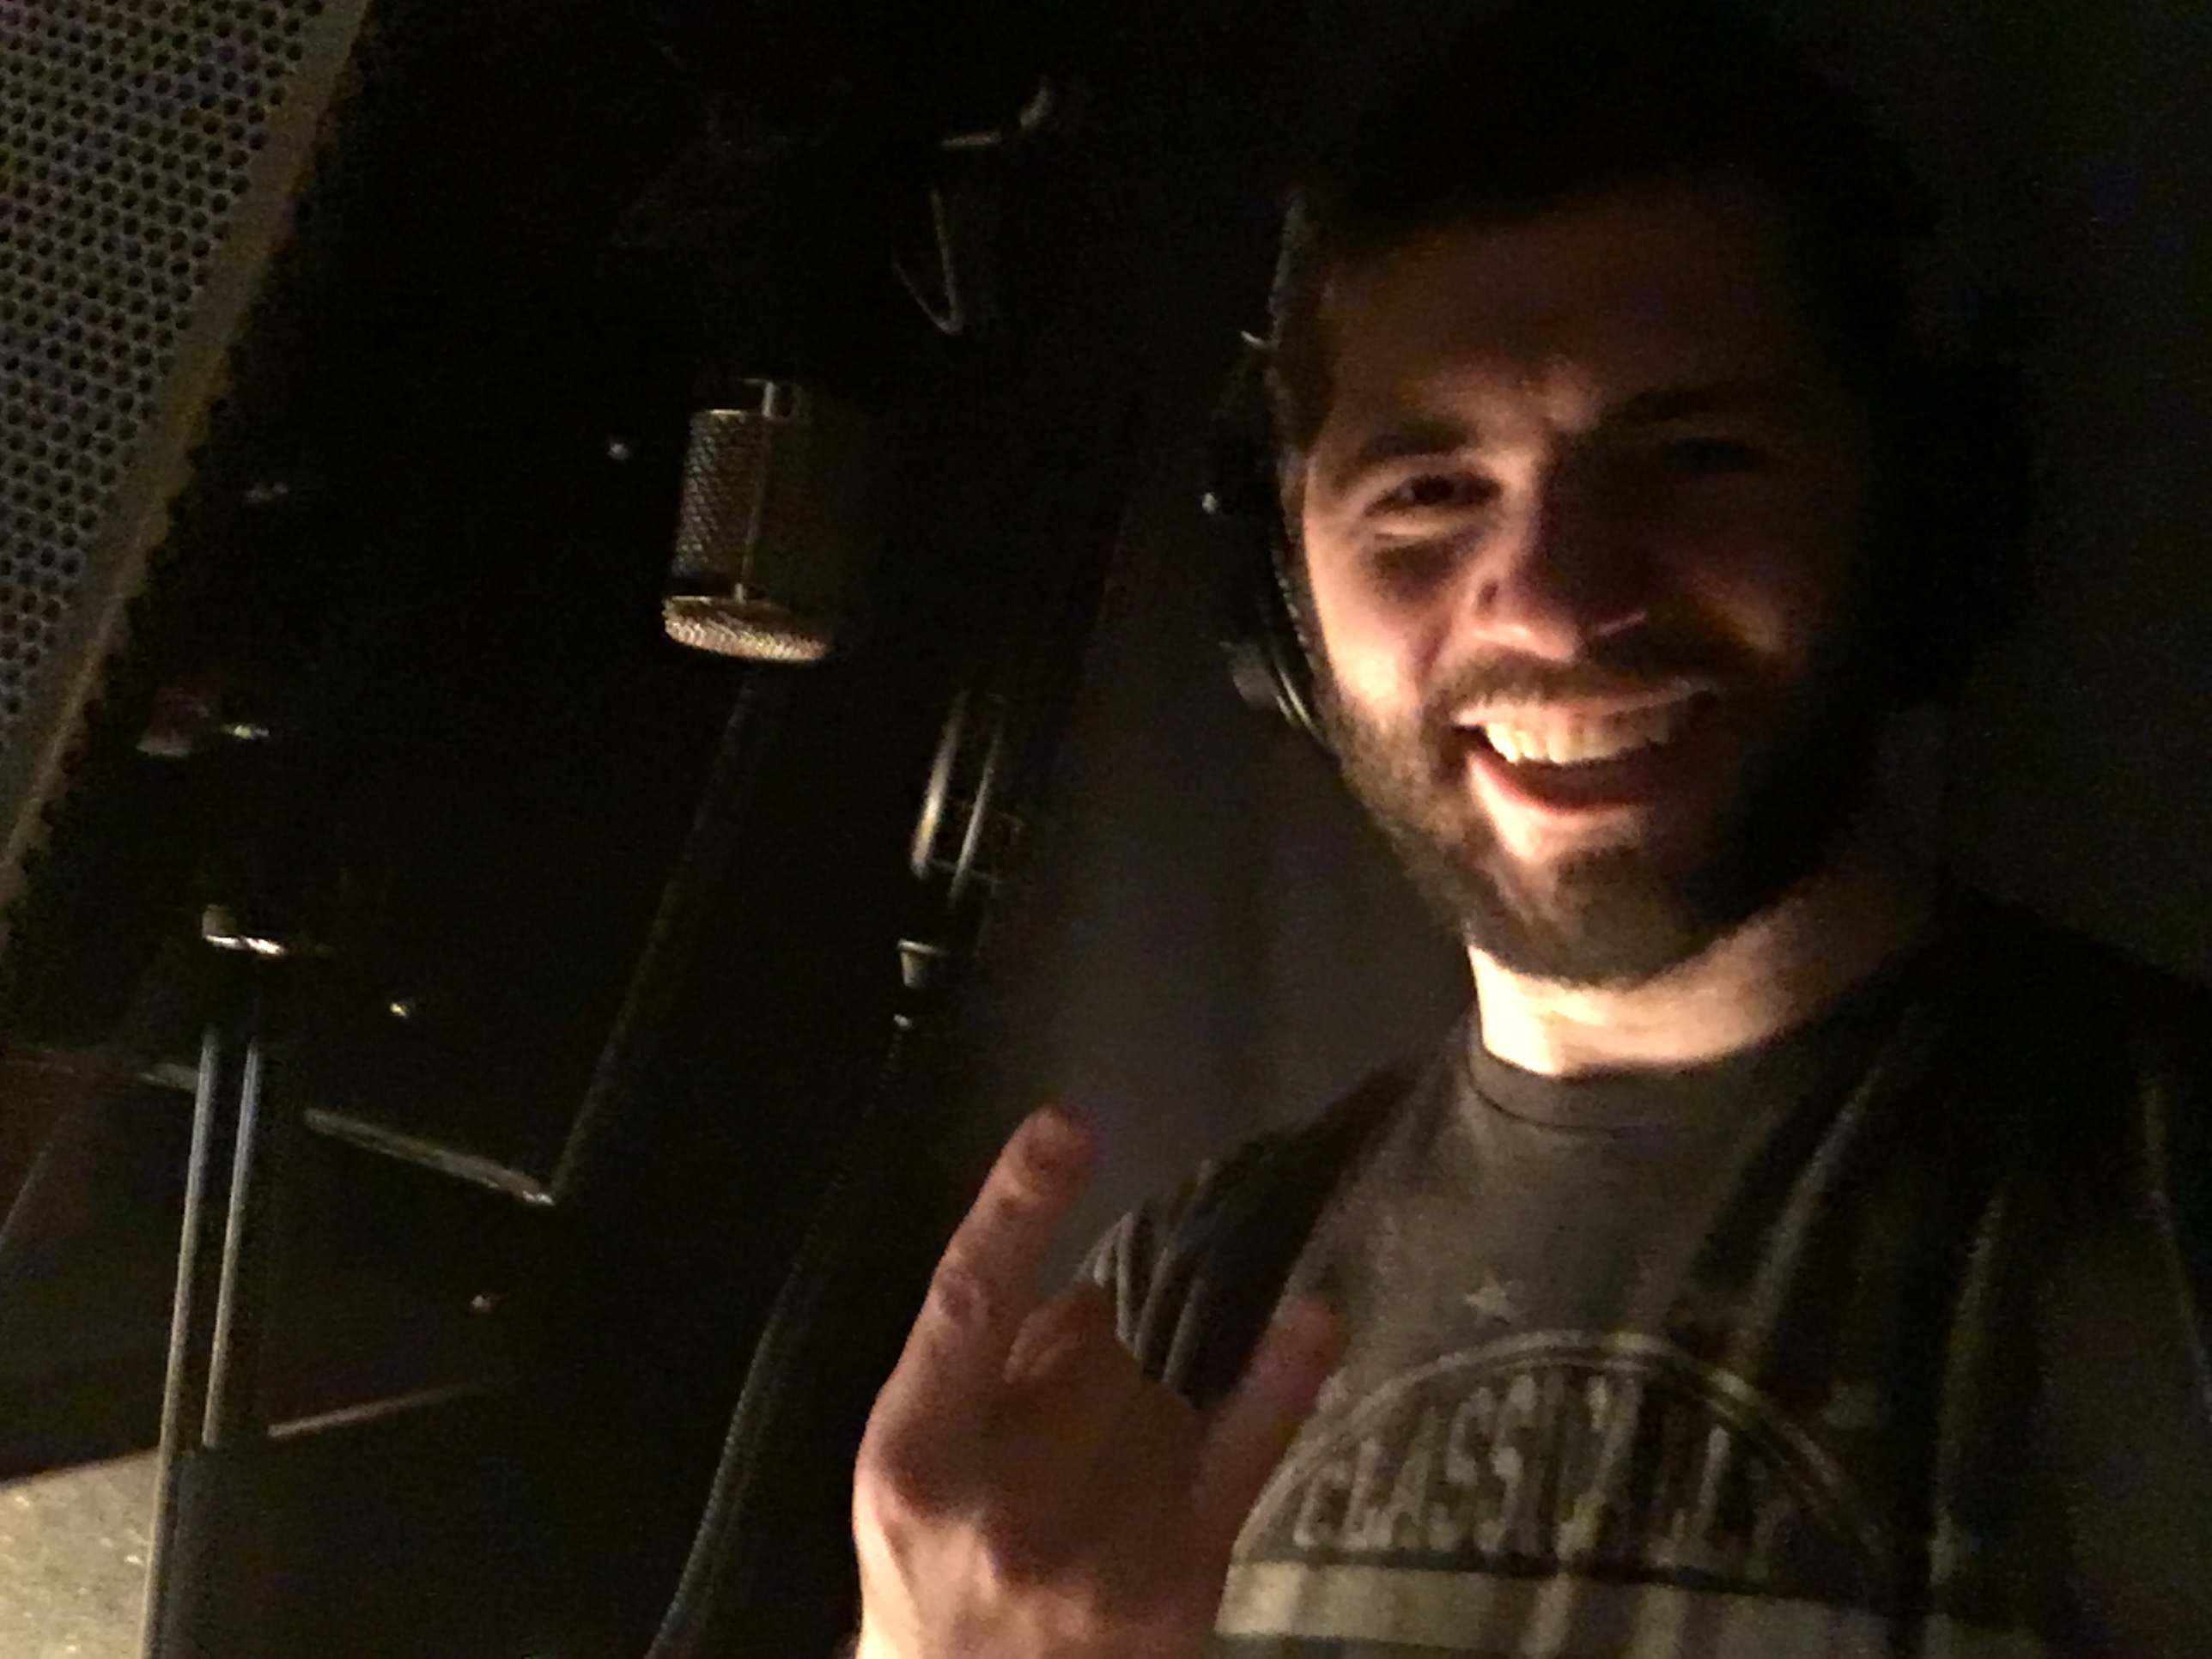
<point x="776" y="520"/>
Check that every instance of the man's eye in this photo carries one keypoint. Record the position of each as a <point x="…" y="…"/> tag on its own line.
<point x="1709" y="457"/>
<point x="1434" y="492"/>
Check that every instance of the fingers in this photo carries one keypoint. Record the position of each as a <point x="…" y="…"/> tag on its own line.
<point x="1079" y="1319"/>
<point x="1068" y="1431"/>
<point x="955" y="1358"/>
<point x="1023" y="1487"/>
<point x="1256" y="1424"/>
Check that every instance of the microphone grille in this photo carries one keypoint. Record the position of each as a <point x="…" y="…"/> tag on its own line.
<point x="734" y="628"/>
<point x="773" y="519"/>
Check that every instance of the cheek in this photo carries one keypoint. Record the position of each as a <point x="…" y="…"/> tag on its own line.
<point x="1377" y="649"/>
<point x="1770" y="571"/>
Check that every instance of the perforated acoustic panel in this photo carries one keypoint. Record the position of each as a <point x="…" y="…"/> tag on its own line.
<point x="149" y="150"/>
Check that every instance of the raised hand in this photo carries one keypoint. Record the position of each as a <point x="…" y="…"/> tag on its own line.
<point x="1023" y="1492"/>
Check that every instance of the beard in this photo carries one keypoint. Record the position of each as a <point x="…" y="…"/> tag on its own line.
<point x="1623" y="914"/>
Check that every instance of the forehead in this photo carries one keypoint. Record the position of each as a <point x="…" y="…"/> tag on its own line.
<point x="1603" y="299"/>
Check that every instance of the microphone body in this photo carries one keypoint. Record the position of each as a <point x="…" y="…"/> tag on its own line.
<point x="778" y="515"/>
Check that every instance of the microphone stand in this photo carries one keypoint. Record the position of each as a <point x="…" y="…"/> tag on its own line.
<point x="214" y="1441"/>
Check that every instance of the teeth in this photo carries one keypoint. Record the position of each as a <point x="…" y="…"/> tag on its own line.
<point x="1577" y="743"/>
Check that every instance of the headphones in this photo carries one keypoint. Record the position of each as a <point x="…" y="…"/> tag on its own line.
<point x="1271" y="660"/>
<point x="1950" y="581"/>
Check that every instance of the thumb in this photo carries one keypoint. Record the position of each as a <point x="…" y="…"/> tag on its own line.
<point x="1257" y="1424"/>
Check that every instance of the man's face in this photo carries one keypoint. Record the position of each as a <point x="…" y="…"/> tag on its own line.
<point x="1583" y="525"/>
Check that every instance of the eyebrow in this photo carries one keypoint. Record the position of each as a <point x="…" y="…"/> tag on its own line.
<point x="1663" y="404"/>
<point x="1410" y="438"/>
<point x="1415" y="437"/>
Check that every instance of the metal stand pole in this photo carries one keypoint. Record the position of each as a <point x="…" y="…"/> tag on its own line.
<point x="211" y="1424"/>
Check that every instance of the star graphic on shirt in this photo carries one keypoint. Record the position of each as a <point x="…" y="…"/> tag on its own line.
<point x="1494" y="1299"/>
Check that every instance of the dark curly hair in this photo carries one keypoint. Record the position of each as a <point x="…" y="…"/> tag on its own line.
<point x="1545" y="103"/>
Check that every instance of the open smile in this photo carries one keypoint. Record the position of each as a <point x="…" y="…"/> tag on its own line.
<point x="1586" y="756"/>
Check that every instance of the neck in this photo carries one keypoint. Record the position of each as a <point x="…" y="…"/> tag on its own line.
<point x="1832" y="931"/>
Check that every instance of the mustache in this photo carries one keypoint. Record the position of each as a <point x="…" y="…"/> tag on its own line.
<point x="1645" y="662"/>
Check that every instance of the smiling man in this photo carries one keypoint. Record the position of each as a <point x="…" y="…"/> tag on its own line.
<point x="1582" y="523"/>
<point x="1790" y="1253"/>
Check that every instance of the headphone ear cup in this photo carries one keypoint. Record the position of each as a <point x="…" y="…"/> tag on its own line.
<point x="1262" y="641"/>
<point x="1262" y="637"/>
<point x="1282" y="637"/>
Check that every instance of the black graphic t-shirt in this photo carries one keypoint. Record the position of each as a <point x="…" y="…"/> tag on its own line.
<point x="1663" y="1365"/>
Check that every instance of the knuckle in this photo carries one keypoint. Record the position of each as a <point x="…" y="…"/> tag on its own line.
<point x="895" y="1491"/>
<point x="1019" y="1188"/>
<point x="1079" y="1319"/>
<point x="1064" y="1364"/>
<point x="1090" y="1312"/>
<point x="965" y="1297"/>
<point x="1016" y="1559"/>
<point x="1040" y="1164"/>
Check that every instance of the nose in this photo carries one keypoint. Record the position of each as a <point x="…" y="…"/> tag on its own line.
<point x="1564" y="574"/>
